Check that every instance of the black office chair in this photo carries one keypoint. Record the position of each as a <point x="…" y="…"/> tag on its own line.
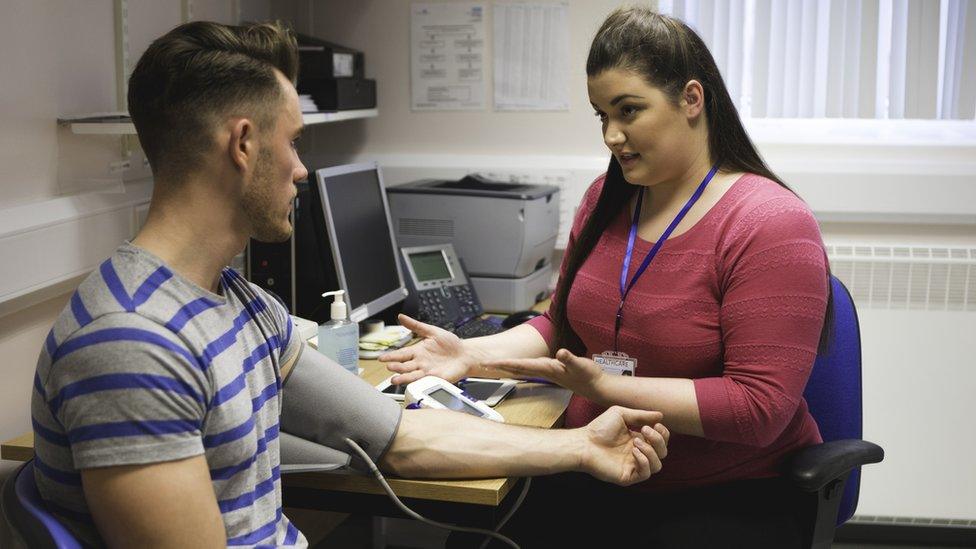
<point x="28" y="515"/>
<point x="827" y="475"/>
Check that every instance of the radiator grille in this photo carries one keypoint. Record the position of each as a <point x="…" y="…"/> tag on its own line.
<point x="426" y="227"/>
<point x="907" y="277"/>
<point x="914" y="521"/>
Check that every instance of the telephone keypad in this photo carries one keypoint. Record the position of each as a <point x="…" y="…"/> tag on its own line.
<point x="445" y="303"/>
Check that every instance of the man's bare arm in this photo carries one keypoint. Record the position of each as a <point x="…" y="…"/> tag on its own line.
<point x="168" y="504"/>
<point x="622" y="446"/>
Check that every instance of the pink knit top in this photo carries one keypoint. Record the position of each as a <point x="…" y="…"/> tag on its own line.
<point x="736" y="303"/>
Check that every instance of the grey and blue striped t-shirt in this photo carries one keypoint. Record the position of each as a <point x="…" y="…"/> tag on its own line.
<point x="144" y="366"/>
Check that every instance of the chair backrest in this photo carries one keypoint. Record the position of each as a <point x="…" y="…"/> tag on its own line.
<point x="28" y="515"/>
<point x="834" y="389"/>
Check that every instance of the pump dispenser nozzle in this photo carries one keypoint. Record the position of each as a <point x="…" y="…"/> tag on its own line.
<point x="338" y="310"/>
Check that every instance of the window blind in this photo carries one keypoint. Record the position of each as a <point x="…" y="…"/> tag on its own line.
<point x="885" y="59"/>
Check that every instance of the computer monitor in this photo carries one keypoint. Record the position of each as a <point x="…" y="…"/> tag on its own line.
<point x="357" y="217"/>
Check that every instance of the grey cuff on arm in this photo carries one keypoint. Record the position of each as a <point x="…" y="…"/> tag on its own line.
<point x="324" y="403"/>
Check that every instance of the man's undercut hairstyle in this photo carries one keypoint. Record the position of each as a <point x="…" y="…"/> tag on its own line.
<point x="194" y="76"/>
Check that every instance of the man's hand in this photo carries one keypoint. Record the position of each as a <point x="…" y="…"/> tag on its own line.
<point x="624" y="446"/>
<point x="578" y="374"/>
<point x="440" y="354"/>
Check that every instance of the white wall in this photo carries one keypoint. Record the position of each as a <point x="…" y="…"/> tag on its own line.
<point x="381" y="29"/>
<point x="57" y="58"/>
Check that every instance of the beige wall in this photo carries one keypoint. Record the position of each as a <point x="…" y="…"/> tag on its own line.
<point x="57" y="57"/>
<point x="381" y="29"/>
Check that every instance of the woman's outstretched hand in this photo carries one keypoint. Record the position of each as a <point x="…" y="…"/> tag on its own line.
<point x="440" y="354"/>
<point x="578" y="374"/>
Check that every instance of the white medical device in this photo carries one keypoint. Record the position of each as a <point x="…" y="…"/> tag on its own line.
<point x="436" y="393"/>
<point x="489" y="391"/>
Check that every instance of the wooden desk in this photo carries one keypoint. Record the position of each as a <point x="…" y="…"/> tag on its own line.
<point x="530" y="404"/>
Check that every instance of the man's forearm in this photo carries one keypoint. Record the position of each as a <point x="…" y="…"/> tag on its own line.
<point x="441" y="444"/>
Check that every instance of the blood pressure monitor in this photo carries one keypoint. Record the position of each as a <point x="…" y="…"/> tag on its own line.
<point x="436" y="393"/>
<point x="489" y="391"/>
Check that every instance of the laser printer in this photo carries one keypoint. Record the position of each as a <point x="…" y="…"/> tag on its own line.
<point x="504" y="233"/>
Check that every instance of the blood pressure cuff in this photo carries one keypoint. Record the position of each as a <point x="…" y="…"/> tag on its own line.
<point x="299" y="455"/>
<point x="323" y="403"/>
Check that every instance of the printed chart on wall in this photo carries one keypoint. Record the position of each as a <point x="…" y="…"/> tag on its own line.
<point x="447" y="57"/>
<point x="531" y="56"/>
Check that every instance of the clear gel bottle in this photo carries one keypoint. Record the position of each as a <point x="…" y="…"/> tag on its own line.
<point x="339" y="337"/>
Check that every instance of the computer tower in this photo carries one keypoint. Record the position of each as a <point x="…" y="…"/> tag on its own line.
<point x="300" y="269"/>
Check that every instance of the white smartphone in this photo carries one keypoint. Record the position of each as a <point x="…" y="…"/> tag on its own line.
<point x="395" y="392"/>
<point x="489" y="391"/>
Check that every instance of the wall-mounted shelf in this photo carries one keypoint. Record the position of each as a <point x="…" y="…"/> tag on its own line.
<point x="116" y="124"/>
<point x="325" y="117"/>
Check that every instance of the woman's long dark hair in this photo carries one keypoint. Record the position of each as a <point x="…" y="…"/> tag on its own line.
<point x="668" y="54"/>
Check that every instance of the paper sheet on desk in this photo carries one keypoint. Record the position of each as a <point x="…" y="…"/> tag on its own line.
<point x="390" y="337"/>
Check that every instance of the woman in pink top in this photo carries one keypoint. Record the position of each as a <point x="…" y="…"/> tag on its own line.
<point x="720" y="328"/>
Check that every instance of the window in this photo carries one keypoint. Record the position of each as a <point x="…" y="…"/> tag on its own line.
<point x="874" y="59"/>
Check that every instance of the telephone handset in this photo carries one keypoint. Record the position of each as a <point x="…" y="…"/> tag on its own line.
<point x="439" y="291"/>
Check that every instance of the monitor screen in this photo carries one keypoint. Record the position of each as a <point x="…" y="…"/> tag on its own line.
<point x="430" y="266"/>
<point x="358" y="219"/>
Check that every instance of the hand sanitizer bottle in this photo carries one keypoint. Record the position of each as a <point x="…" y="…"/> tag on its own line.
<point x="339" y="337"/>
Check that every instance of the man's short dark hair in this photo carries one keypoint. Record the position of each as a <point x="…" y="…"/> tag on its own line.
<point x="195" y="74"/>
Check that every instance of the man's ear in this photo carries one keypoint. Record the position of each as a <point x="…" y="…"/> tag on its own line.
<point x="242" y="145"/>
<point x="693" y="99"/>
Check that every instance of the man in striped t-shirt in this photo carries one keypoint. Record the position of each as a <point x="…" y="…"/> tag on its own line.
<point x="159" y="390"/>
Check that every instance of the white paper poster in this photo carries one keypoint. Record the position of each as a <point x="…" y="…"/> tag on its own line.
<point x="531" y="45"/>
<point x="447" y="57"/>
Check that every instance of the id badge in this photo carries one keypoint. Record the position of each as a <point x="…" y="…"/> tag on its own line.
<point x="616" y="363"/>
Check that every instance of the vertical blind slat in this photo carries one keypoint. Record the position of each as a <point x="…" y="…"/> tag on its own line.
<point x="965" y="64"/>
<point x="883" y="78"/>
<point x="851" y="88"/>
<point x="791" y="69"/>
<point x="837" y="55"/>
<point x="806" y="67"/>
<point x="821" y="47"/>
<point x="758" y="91"/>
<point x="869" y="55"/>
<point x="921" y="59"/>
<point x="734" y="39"/>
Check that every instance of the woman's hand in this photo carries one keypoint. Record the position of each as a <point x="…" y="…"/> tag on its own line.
<point x="624" y="446"/>
<point x="581" y="375"/>
<point x="440" y="354"/>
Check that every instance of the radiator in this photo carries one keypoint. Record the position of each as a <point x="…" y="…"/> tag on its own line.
<point x="917" y="307"/>
<point x="907" y="277"/>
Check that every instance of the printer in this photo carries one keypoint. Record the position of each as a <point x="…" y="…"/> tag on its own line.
<point x="504" y="233"/>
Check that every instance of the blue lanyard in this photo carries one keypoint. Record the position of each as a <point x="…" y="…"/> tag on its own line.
<point x="624" y="286"/>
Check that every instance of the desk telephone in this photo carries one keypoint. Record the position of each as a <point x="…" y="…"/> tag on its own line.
<point x="440" y="293"/>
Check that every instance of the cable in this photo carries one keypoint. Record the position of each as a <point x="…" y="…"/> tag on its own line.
<point x="515" y="506"/>
<point x="411" y="513"/>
